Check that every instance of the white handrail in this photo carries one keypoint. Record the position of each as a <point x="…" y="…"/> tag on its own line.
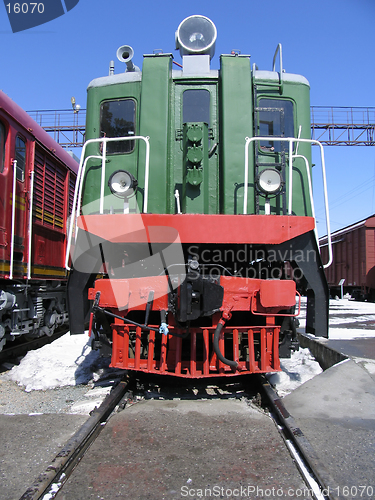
<point x="279" y="50"/>
<point x="290" y="177"/>
<point x="310" y="191"/>
<point x="101" y="203"/>
<point x="78" y="210"/>
<point x="32" y="174"/>
<point x="291" y="141"/>
<point x="80" y="175"/>
<point x="13" y="219"/>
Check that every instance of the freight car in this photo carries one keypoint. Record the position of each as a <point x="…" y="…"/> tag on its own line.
<point x="353" y="267"/>
<point x="192" y="228"/>
<point x="37" y="179"/>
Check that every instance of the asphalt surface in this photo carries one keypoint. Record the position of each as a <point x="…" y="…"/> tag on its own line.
<point x="172" y="449"/>
<point x="28" y="445"/>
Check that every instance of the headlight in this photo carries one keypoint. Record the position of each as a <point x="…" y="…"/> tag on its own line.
<point x="269" y="181"/>
<point x="196" y="35"/>
<point x="122" y="183"/>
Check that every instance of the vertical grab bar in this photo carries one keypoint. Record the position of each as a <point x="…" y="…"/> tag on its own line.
<point x="101" y="203"/>
<point x="32" y="174"/>
<point x="291" y="140"/>
<point x="290" y="177"/>
<point x="280" y="51"/>
<point x="79" y="181"/>
<point x="13" y="219"/>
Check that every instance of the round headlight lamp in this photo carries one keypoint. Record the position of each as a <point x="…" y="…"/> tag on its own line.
<point x="269" y="181"/>
<point x="122" y="183"/>
<point x="196" y="35"/>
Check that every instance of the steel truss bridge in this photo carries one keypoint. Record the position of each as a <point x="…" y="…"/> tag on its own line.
<point x="332" y="126"/>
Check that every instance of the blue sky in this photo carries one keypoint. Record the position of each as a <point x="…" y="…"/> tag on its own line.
<point x="330" y="42"/>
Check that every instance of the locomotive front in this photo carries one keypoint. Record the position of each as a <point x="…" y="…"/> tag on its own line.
<point x="192" y="232"/>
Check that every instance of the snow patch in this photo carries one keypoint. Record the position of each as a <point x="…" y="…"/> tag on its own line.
<point x="297" y="370"/>
<point x="69" y="360"/>
<point x="350" y="334"/>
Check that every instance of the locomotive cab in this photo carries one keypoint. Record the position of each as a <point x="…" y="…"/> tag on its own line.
<point x="193" y="212"/>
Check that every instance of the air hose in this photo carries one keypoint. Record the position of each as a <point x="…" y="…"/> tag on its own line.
<point x="233" y="364"/>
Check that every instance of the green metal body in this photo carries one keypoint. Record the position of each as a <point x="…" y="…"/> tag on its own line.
<point x="202" y="159"/>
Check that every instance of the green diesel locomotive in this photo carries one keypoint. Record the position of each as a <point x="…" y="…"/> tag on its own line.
<point x="192" y="231"/>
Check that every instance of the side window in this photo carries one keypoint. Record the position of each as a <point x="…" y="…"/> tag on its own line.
<point x="117" y="119"/>
<point x="2" y="146"/>
<point x="20" y="156"/>
<point x="196" y="106"/>
<point x="275" y="117"/>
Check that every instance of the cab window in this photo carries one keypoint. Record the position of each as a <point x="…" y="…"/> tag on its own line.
<point x="117" y="119"/>
<point x="275" y="117"/>
<point x="196" y="106"/>
<point x="2" y="147"/>
<point x="20" y="156"/>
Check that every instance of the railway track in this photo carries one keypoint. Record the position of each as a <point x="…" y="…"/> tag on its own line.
<point x="51" y="482"/>
<point x="307" y="461"/>
<point x="53" y="478"/>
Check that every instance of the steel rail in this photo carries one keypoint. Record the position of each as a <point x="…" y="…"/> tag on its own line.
<point x="290" y="431"/>
<point x="56" y="474"/>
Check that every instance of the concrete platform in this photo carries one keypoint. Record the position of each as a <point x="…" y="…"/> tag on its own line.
<point x="336" y="412"/>
<point x="357" y="348"/>
<point x="28" y="444"/>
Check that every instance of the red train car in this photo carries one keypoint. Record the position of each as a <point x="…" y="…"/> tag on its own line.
<point x="353" y="249"/>
<point x="37" y="179"/>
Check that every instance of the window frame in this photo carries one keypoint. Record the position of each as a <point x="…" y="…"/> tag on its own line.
<point x="201" y="113"/>
<point x="20" y="174"/>
<point x="112" y="145"/>
<point x="3" y="137"/>
<point x="283" y="127"/>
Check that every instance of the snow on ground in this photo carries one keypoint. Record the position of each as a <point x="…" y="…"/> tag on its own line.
<point x="70" y="361"/>
<point x="344" y="313"/>
<point x="297" y="370"/>
<point x="350" y="333"/>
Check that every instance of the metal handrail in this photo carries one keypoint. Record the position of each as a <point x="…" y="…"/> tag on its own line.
<point x="80" y="176"/>
<point x="32" y="175"/>
<point x="291" y="141"/>
<point x="13" y="227"/>
<point x="279" y="50"/>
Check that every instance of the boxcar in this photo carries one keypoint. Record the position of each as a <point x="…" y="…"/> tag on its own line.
<point x="353" y="250"/>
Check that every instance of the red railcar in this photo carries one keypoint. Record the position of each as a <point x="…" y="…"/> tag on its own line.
<point x="353" y="265"/>
<point x="37" y="179"/>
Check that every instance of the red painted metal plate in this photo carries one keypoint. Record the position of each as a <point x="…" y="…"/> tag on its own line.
<point x="196" y="228"/>
<point x="277" y="293"/>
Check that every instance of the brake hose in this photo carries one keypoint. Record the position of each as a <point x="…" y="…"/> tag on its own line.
<point x="233" y="364"/>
